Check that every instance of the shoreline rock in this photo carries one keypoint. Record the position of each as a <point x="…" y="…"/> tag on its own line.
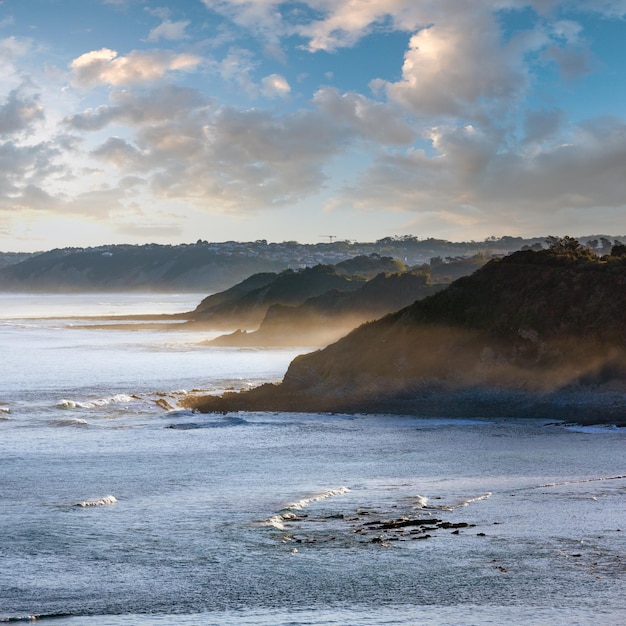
<point x="583" y="407"/>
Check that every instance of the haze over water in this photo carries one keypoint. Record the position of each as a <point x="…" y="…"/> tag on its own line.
<point x="120" y="508"/>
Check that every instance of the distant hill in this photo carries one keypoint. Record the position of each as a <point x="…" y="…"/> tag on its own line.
<point x="535" y="334"/>
<point x="11" y="258"/>
<point x="128" y="268"/>
<point x="244" y="306"/>
<point x="325" y="318"/>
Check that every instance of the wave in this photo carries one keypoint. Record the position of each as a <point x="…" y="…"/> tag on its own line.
<point x="35" y="617"/>
<point x="580" y="481"/>
<point x="92" y="404"/>
<point x="420" y="502"/>
<point x="298" y="505"/>
<point x="287" y="512"/>
<point x="106" y="501"/>
<point x="597" y="429"/>
<point x="71" y="422"/>
<point x="459" y="505"/>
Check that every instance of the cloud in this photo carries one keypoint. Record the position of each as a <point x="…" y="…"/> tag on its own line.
<point x="543" y="124"/>
<point x="346" y="22"/>
<point x="230" y="160"/>
<point x="24" y="172"/>
<point x="170" y="31"/>
<point x="365" y="118"/>
<point x="120" y="153"/>
<point x="135" y="108"/>
<point x="475" y="179"/>
<point x="12" y="48"/>
<point x="573" y="63"/>
<point x="262" y="17"/>
<point x="275" y="86"/>
<point x="104" y="66"/>
<point x="18" y="113"/>
<point x="237" y="68"/>
<point x="462" y="68"/>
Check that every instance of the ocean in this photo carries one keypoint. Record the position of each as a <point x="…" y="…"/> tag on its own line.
<point x="118" y="506"/>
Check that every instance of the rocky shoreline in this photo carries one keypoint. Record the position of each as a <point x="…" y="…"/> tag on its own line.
<point x="582" y="406"/>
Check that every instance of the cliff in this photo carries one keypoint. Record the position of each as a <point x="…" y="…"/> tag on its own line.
<point x="535" y="334"/>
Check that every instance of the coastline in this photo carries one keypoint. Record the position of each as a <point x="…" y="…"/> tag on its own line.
<point x="585" y="407"/>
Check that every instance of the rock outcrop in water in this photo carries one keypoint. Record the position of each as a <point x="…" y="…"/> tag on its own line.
<point x="535" y="334"/>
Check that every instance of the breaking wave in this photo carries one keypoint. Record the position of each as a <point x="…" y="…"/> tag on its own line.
<point x="458" y="505"/>
<point x="13" y="619"/>
<point x="71" y="422"/>
<point x="287" y="512"/>
<point x="298" y="505"/>
<point x="92" y="404"/>
<point x="106" y="501"/>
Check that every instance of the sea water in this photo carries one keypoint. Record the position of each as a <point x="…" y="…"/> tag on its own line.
<point x="118" y="506"/>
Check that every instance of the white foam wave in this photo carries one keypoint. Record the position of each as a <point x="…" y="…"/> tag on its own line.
<point x="71" y="422"/>
<point x="106" y="501"/>
<point x="287" y="513"/>
<point x="485" y="496"/>
<point x="5" y="409"/>
<point x="462" y="503"/>
<point x="420" y="502"/>
<point x="119" y="398"/>
<point x="180" y="413"/>
<point x="277" y="521"/>
<point x="298" y="505"/>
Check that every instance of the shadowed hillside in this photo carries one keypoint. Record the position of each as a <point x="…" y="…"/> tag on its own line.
<point x="325" y="318"/>
<point x="537" y="333"/>
<point x="245" y="305"/>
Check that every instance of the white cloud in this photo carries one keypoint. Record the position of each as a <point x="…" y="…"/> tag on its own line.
<point x="104" y="66"/>
<point x="169" y="31"/>
<point x="275" y="86"/>
<point x="460" y="67"/>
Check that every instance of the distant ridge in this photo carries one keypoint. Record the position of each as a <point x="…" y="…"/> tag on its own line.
<point x="209" y="267"/>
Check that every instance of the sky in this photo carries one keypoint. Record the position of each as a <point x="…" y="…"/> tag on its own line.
<point x="146" y="121"/>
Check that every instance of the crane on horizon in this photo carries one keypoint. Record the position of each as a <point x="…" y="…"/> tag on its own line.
<point x="331" y="238"/>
